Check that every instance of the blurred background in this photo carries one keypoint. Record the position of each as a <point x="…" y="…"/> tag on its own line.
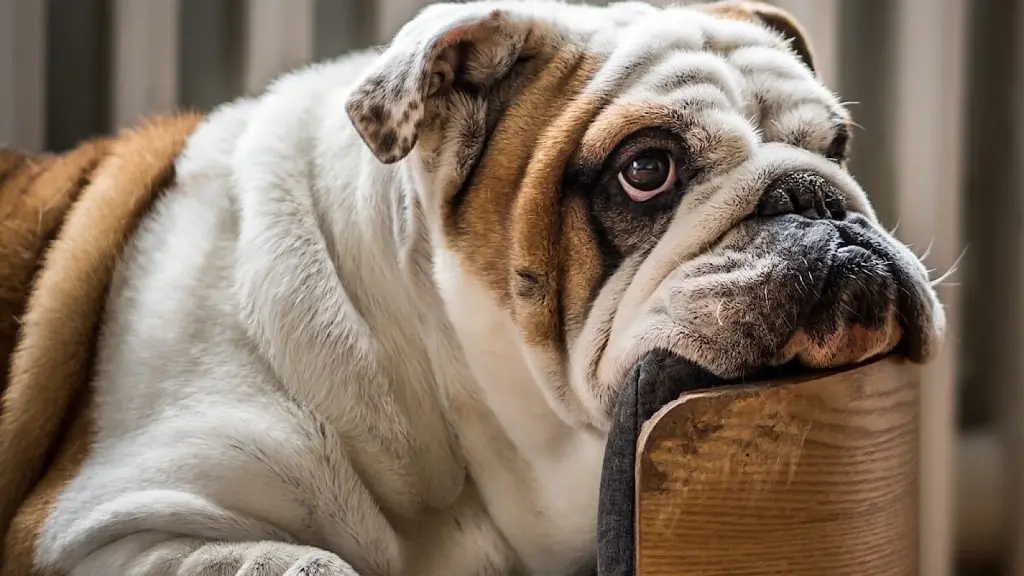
<point x="936" y="87"/>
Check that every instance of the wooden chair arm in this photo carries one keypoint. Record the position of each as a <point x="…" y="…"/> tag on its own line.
<point x="816" y="476"/>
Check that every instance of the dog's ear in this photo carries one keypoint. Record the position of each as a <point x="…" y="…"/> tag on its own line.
<point x="786" y="24"/>
<point x="445" y="47"/>
<point x="774" y="18"/>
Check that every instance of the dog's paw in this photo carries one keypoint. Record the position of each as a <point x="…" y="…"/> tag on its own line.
<point x="320" y="563"/>
<point x="263" y="559"/>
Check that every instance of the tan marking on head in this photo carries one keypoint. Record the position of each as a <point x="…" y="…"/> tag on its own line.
<point x="580" y="264"/>
<point x="731" y="9"/>
<point x="52" y="364"/>
<point x="507" y="227"/>
<point x="720" y="147"/>
<point x="538" y="229"/>
<point x="773" y="17"/>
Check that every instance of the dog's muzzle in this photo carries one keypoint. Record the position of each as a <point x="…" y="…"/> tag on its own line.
<point x="802" y="281"/>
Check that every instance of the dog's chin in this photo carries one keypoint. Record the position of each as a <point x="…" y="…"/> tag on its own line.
<point x="784" y="293"/>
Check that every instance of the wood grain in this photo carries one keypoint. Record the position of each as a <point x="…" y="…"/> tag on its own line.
<point x="816" y="476"/>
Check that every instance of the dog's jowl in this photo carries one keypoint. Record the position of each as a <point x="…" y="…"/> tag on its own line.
<point x="374" y="319"/>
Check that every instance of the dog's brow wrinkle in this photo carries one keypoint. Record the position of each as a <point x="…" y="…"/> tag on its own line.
<point x="701" y="96"/>
<point x="681" y="69"/>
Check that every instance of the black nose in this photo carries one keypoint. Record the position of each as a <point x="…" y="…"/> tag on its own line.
<point x="806" y="193"/>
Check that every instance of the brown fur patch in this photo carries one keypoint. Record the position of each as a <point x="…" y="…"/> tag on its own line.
<point x="35" y="194"/>
<point x="20" y="546"/>
<point x="538" y="231"/>
<point x="47" y="391"/>
<point x="516" y="230"/>
<point x="721" y="149"/>
<point x="480" y="229"/>
<point x="773" y="17"/>
<point x="730" y="9"/>
<point x="580" y="260"/>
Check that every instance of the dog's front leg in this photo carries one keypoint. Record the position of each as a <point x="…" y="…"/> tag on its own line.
<point x="162" y="554"/>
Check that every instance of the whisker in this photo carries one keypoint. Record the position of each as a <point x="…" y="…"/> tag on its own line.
<point x="927" y="250"/>
<point x="896" y="227"/>
<point x="953" y="269"/>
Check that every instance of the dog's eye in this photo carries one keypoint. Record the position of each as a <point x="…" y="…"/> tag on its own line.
<point x="648" y="174"/>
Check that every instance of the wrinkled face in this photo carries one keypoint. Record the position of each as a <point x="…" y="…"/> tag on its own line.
<point x="627" y="179"/>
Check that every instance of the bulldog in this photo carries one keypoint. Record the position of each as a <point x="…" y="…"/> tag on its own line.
<point x="373" y="320"/>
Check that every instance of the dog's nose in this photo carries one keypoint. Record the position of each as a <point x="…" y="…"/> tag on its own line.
<point x="805" y="193"/>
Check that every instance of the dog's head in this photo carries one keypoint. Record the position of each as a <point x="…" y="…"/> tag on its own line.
<point x="628" y="179"/>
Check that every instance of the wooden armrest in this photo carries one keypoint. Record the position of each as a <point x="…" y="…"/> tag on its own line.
<point x="816" y="476"/>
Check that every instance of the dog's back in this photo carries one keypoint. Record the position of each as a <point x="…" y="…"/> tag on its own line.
<point x="63" y="220"/>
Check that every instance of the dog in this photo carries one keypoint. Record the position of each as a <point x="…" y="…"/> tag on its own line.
<point x="373" y="320"/>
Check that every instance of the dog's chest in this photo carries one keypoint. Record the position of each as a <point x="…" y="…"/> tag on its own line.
<point x="550" y="516"/>
<point x="538" y="477"/>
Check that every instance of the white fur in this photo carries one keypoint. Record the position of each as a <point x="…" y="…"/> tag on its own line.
<point x="291" y="354"/>
<point x="277" y="363"/>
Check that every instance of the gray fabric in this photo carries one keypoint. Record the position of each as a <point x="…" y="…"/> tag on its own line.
<point x="656" y="380"/>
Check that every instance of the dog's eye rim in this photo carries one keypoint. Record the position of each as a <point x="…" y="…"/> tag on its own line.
<point x="635" y="190"/>
<point x="648" y="142"/>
